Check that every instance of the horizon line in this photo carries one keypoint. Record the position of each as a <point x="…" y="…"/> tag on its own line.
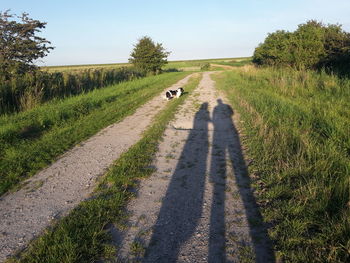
<point x="126" y="63"/>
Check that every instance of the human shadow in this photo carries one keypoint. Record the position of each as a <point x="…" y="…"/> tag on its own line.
<point x="227" y="149"/>
<point x="183" y="202"/>
<point x="182" y="205"/>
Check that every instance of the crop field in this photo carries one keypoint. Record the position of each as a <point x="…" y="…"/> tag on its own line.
<point x="190" y="65"/>
<point x="181" y="65"/>
<point x="75" y="68"/>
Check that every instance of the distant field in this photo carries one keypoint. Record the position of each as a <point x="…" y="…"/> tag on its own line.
<point x="189" y="65"/>
<point x="182" y="65"/>
<point x="235" y="62"/>
<point x="83" y="67"/>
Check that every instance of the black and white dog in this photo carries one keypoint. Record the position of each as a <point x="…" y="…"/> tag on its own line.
<point x="173" y="93"/>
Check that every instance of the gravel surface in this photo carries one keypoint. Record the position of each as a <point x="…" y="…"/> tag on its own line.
<point x="56" y="190"/>
<point x="198" y="206"/>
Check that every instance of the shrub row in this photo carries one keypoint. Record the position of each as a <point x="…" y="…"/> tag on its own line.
<point x="312" y="46"/>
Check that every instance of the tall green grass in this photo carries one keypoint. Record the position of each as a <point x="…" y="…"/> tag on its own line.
<point x="32" y="139"/>
<point x="82" y="236"/>
<point x="27" y="91"/>
<point x="297" y="126"/>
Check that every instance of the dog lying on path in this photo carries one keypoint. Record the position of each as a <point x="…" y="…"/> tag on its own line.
<point x="173" y="93"/>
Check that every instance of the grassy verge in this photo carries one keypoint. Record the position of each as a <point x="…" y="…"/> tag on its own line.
<point x="297" y="128"/>
<point x="31" y="140"/>
<point x="82" y="235"/>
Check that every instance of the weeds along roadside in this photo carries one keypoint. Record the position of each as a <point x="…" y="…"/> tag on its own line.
<point x="33" y="139"/>
<point x="296" y="127"/>
<point x="81" y="236"/>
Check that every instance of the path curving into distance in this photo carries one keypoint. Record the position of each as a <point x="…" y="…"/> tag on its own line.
<point x="57" y="189"/>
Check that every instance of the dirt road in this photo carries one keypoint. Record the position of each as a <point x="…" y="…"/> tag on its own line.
<point x="198" y="206"/>
<point x="57" y="189"/>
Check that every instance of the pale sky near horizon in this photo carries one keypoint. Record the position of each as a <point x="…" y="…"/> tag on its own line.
<point x="104" y="31"/>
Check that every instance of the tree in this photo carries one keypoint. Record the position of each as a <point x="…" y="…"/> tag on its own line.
<point x="148" y="57"/>
<point x="19" y="44"/>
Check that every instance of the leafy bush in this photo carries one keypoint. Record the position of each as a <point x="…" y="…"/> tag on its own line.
<point x="312" y="46"/>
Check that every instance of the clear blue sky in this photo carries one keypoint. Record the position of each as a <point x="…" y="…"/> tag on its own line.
<point x="104" y="31"/>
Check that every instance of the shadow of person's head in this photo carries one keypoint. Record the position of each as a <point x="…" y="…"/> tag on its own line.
<point x="204" y="106"/>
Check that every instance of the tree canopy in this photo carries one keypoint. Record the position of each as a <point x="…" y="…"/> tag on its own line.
<point x="20" y="45"/>
<point x="312" y="45"/>
<point x="148" y="57"/>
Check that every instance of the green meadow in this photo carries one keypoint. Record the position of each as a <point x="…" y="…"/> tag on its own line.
<point x="296" y="126"/>
<point x="181" y="65"/>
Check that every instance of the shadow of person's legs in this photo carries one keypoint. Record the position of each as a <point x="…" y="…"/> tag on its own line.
<point x="182" y="205"/>
<point x="258" y="232"/>
<point x="217" y="248"/>
<point x="226" y="140"/>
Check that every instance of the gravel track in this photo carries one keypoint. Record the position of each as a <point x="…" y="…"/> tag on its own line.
<point x="54" y="191"/>
<point x="198" y="206"/>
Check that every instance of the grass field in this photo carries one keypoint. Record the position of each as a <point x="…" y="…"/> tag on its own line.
<point x="235" y="62"/>
<point x="185" y="65"/>
<point x="82" y="235"/>
<point x="192" y="65"/>
<point x="297" y="128"/>
<point x="72" y="68"/>
<point x="32" y="139"/>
